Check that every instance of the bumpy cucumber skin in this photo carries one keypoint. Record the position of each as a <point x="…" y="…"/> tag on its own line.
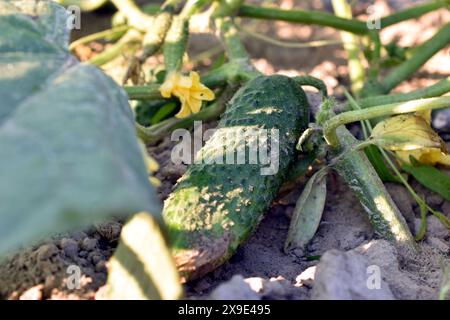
<point x="175" y="44"/>
<point x="215" y="207"/>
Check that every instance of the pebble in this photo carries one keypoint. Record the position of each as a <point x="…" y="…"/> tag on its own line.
<point x="100" y="267"/>
<point x="89" y="244"/>
<point x="70" y="247"/>
<point x="95" y="257"/>
<point x="46" y="251"/>
<point x="439" y="244"/>
<point x="434" y="200"/>
<point x="343" y="276"/>
<point x="234" y="289"/>
<point x="435" y="228"/>
<point x="306" y="278"/>
<point x="34" y="293"/>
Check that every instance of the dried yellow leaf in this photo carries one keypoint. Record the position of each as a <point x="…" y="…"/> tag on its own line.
<point x="405" y="132"/>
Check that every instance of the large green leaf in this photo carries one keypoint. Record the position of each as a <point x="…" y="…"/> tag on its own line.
<point x="68" y="150"/>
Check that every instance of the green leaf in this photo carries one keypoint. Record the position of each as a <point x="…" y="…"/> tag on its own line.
<point x="142" y="267"/>
<point x="431" y="178"/>
<point x="376" y="159"/>
<point x="163" y="112"/>
<point x="308" y="212"/>
<point x="69" y="153"/>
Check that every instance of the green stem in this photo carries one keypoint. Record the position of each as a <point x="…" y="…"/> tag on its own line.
<point x="305" y="17"/>
<point x="231" y="72"/>
<point x="131" y="40"/>
<point x="109" y="33"/>
<point x="435" y="90"/>
<point x="135" y="17"/>
<point x="154" y="133"/>
<point x="147" y="92"/>
<point x="421" y="55"/>
<point x="313" y="82"/>
<point x="332" y="124"/>
<point x="352" y="47"/>
<point x="230" y="36"/>
<point x="413" y="12"/>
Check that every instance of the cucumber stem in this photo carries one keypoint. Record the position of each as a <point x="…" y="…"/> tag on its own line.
<point x="413" y="12"/>
<point x="131" y="40"/>
<point x="135" y="17"/>
<point x="156" y="132"/>
<point x="439" y="88"/>
<point x="117" y="31"/>
<point x="423" y="53"/>
<point x="232" y="41"/>
<point x="406" y="69"/>
<point x="332" y="124"/>
<point x="352" y="47"/>
<point x="305" y="17"/>
<point x="329" y="20"/>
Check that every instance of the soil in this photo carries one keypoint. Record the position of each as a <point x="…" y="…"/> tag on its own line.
<point x="43" y="271"/>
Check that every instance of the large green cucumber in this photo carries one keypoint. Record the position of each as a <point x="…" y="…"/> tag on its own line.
<point x="215" y="207"/>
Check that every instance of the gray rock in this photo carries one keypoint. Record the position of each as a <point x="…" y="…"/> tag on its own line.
<point x="89" y="244"/>
<point x="234" y="289"/>
<point x="70" y="247"/>
<point x="439" y="244"/>
<point x="345" y="276"/>
<point x="434" y="200"/>
<point x="306" y="278"/>
<point x="441" y="120"/>
<point x="47" y="251"/>
<point x="109" y="230"/>
<point x="435" y="228"/>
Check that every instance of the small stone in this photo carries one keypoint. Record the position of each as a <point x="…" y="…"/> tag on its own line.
<point x="435" y="228"/>
<point x="234" y="289"/>
<point x="434" y="200"/>
<point x="439" y="244"/>
<point x="70" y="247"/>
<point x="89" y="244"/>
<point x="255" y="283"/>
<point x="100" y="267"/>
<point x="110" y="230"/>
<point x="446" y="208"/>
<point x="95" y="257"/>
<point x="343" y="276"/>
<point x="47" y="251"/>
<point x="82" y="254"/>
<point x="34" y="293"/>
<point x="306" y="278"/>
<point x="78" y="235"/>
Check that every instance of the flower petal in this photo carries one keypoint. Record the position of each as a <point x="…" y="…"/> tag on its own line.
<point x="185" y="111"/>
<point x="430" y="156"/>
<point x="195" y="104"/>
<point x="203" y="93"/>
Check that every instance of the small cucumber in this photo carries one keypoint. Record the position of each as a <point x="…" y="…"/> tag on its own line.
<point x="215" y="207"/>
<point x="175" y="43"/>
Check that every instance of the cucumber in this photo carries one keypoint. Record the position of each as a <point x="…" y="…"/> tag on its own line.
<point x="215" y="207"/>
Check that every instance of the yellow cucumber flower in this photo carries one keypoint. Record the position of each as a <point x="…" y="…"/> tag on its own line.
<point x="189" y="90"/>
<point x="411" y="135"/>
